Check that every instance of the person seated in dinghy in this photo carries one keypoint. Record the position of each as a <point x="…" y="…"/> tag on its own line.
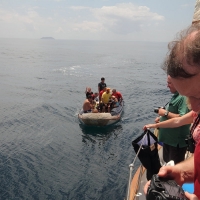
<point x="88" y="91"/>
<point x="101" y="93"/>
<point x="88" y="105"/>
<point x="95" y="96"/>
<point x="95" y="107"/>
<point x="106" y="96"/>
<point x="117" y="94"/>
<point x="114" y="102"/>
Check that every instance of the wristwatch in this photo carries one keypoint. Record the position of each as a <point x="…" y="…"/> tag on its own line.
<point x="166" y="113"/>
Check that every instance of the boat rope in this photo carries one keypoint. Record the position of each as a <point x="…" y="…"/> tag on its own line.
<point x="131" y="166"/>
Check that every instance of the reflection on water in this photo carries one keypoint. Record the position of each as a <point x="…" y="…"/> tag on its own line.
<point x="94" y="134"/>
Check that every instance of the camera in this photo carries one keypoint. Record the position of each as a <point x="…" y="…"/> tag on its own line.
<point x="191" y="143"/>
<point x="164" y="189"/>
<point x="157" y="109"/>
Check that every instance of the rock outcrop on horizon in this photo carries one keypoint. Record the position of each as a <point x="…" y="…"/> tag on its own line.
<point x="49" y="38"/>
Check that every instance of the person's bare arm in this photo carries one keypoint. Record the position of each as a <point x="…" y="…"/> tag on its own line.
<point x="170" y="115"/>
<point x="172" y="123"/>
<point x="88" y="106"/>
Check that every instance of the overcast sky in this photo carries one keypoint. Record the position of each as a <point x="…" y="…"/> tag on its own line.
<point x="135" y="20"/>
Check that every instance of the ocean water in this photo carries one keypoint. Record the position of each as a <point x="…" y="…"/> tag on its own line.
<point x="45" y="153"/>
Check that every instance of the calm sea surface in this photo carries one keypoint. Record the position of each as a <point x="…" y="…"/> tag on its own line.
<point x="45" y="153"/>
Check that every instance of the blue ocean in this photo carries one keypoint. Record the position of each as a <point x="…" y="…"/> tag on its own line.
<point x="45" y="153"/>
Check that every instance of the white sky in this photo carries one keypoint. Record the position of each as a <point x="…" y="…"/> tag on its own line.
<point x="135" y="20"/>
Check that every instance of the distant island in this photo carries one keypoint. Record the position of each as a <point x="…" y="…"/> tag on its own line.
<point x="49" y="38"/>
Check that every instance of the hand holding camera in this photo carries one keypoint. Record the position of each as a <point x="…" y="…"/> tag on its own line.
<point x="156" y="110"/>
<point x="164" y="189"/>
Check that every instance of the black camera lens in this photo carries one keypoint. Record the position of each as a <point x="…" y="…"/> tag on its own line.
<point x="156" y="110"/>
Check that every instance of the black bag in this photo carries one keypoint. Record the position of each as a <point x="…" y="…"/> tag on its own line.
<point x="148" y="154"/>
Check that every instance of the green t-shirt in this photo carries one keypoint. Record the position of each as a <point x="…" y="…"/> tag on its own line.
<point x="175" y="136"/>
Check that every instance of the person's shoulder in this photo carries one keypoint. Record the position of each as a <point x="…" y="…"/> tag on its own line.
<point x="86" y="102"/>
<point x="181" y="98"/>
<point x="178" y="97"/>
<point x="180" y="102"/>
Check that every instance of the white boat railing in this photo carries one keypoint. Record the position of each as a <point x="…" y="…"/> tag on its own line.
<point x="131" y="166"/>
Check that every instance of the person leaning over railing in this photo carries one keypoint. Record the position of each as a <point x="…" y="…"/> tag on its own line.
<point x="173" y="138"/>
<point x="189" y="118"/>
<point x="183" y="65"/>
